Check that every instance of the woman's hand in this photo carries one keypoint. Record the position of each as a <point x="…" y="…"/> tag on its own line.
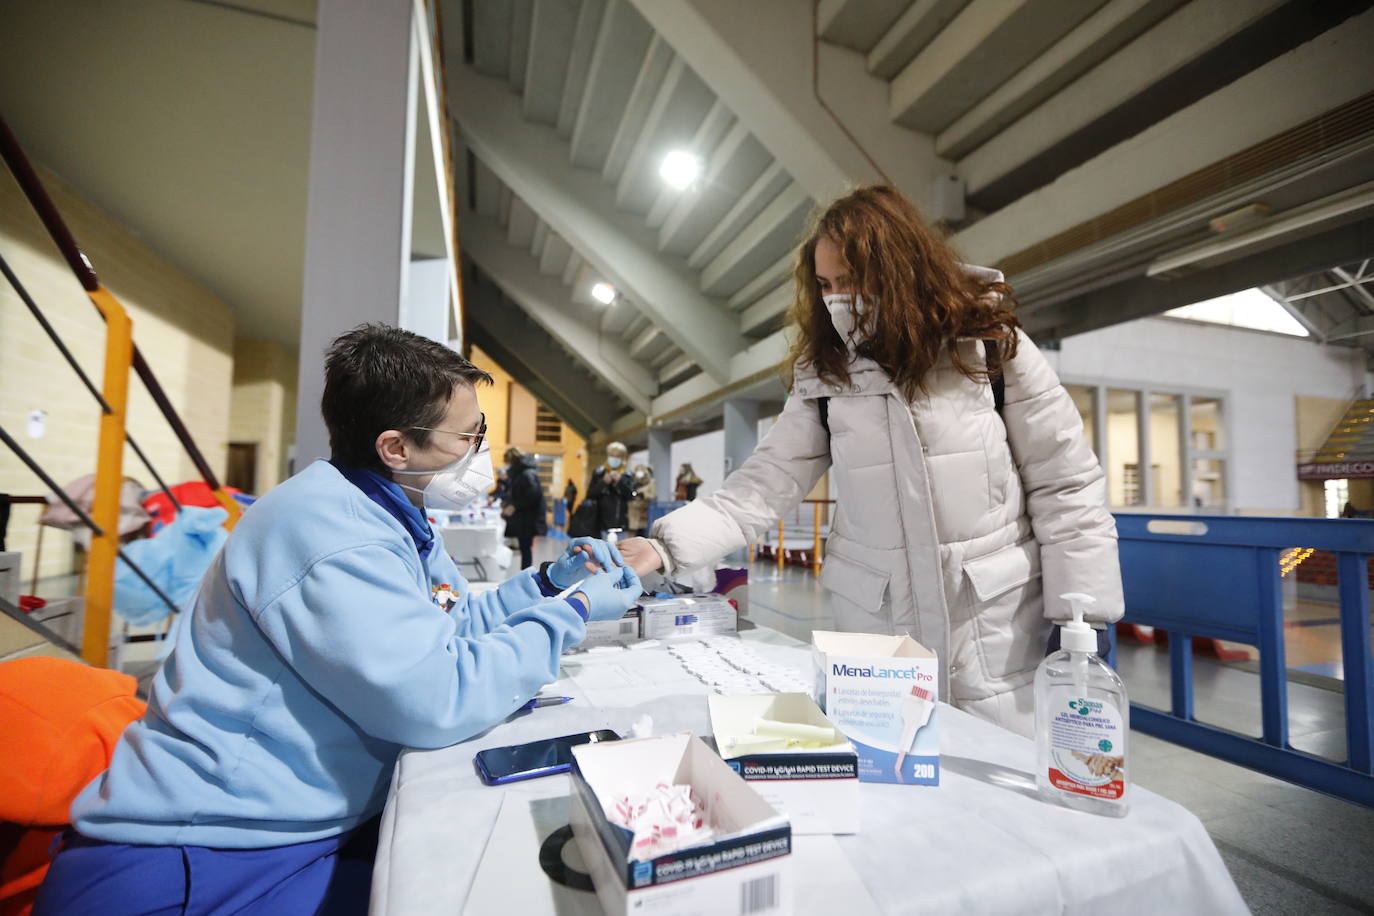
<point x="584" y="556"/>
<point x="641" y="555"/>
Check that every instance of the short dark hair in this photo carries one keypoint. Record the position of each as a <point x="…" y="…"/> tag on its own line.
<point x="376" y="378"/>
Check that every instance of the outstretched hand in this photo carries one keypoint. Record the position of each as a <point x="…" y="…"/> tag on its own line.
<point x="641" y="555"/>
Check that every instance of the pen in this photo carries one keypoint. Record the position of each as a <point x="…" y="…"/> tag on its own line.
<point x="540" y="702"/>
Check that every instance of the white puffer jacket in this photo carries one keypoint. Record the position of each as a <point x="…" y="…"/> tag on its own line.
<point x="954" y="525"/>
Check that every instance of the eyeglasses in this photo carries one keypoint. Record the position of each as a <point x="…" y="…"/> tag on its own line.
<point x="477" y="437"/>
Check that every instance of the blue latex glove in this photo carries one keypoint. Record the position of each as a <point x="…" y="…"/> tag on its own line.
<point x="571" y="567"/>
<point x="609" y="595"/>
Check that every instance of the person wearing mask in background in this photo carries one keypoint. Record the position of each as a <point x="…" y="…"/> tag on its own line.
<point x="525" y="511"/>
<point x="969" y="501"/>
<point x="331" y="632"/>
<point x="612" y="488"/>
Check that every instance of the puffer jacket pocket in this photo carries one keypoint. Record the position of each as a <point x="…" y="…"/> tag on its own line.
<point x="1008" y="608"/>
<point x="858" y="595"/>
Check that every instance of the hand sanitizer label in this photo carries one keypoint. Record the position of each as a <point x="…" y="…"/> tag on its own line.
<point x="1086" y="747"/>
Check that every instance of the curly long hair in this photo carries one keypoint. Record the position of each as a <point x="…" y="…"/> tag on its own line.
<point x="926" y="299"/>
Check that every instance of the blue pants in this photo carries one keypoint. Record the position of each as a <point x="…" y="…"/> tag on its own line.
<point x="330" y="876"/>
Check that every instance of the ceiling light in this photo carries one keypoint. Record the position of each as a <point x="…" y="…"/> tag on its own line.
<point x="603" y="293"/>
<point x="680" y="169"/>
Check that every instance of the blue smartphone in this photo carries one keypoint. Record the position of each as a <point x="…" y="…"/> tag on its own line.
<point x="500" y="765"/>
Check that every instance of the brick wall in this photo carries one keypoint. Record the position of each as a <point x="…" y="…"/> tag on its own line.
<point x="184" y="331"/>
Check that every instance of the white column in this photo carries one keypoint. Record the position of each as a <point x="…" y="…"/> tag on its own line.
<point x="425" y="307"/>
<point x="741" y="438"/>
<point x="661" y="462"/>
<point x="358" y="214"/>
<point x="741" y="432"/>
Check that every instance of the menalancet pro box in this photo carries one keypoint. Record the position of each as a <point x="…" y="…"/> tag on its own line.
<point x="881" y="692"/>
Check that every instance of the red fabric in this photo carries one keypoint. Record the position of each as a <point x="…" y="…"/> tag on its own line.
<point x="191" y="493"/>
<point x="59" y="721"/>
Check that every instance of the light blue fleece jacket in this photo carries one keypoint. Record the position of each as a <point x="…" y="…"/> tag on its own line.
<point x="314" y="652"/>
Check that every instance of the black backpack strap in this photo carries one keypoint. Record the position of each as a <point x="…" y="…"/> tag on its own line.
<point x="992" y="358"/>
<point x="823" y="407"/>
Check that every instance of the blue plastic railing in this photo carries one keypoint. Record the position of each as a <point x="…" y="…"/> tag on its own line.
<point x="1218" y="577"/>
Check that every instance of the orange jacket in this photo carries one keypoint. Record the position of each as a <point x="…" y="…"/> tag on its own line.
<point x="59" y="721"/>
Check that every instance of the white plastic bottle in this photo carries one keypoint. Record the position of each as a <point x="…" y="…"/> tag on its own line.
<point x="1082" y="723"/>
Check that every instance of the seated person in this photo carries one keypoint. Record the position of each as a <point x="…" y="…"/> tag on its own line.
<point x="331" y="631"/>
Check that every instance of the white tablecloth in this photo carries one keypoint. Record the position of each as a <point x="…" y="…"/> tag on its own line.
<point x="980" y="842"/>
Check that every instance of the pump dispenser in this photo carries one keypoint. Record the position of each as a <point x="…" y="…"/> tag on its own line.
<point x="1082" y="722"/>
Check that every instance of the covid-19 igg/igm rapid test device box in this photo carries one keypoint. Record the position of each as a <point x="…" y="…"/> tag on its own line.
<point x="727" y="851"/>
<point x="881" y="692"/>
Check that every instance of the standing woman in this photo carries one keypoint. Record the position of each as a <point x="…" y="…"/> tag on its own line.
<point x="968" y="499"/>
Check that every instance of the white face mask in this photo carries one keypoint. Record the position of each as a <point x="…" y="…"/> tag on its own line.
<point x="842" y="316"/>
<point x="457" y="485"/>
<point x="613" y="462"/>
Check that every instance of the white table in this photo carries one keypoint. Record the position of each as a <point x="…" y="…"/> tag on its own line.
<point x="478" y="543"/>
<point x="981" y="842"/>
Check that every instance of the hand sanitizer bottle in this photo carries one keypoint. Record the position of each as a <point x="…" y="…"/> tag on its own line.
<point x="1082" y="723"/>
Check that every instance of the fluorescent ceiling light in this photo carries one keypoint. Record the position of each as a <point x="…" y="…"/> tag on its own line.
<point x="680" y="169"/>
<point x="603" y="293"/>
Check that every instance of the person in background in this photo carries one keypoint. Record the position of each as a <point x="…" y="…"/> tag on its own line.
<point x="612" y="487"/>
<point x="332" y="631"/>
<point x="525" y="510"/>
<point x="687" y="484"/>
<point x="969" y="500"/>
<point x="570" y="496"/>
<point x="501" y="492"/>
<point x="643" y="495"/>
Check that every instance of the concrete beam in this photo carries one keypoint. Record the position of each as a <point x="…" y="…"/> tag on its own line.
<point x="1093" y="41"/>
<point x="747" y="206"/>
<point x="520" y="223"/>
<point x="547" y="61"/>
<point x="620" y="48"/>
<point x="579" y="207"/>
<point x="675" y="367"/>
<point x="913" y="30"/>
<point x="988" y="42"/>
<point x="650" y="76"/>
<point x="773" y="230"/>
<point x="770" y="308"/>
<point x="543" y="299"/>
<point x="521" y="17"/>
<point x="704" y="142"/>
<point x="753" y="373"/>
<point x="575" y="79"/>
<point x="771" y="92"/>
<point x="679" y="106"/>
<point x="643" y="340"/>
<point x="1187" y="34"/>
<point x="1285" y="92"/>
<point x="733" y="166"/>
<point x="779" y="271"/>
<point x="857" y="24"/>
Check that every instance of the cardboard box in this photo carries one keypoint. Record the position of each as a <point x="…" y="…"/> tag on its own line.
<point x="745" y="868"/>
<point x="688" y="616"/>
<point x="817" y="788"/>
<point x="864" y="683"/>
<point x="612" y="632"/>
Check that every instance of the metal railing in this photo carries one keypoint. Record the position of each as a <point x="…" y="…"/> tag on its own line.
<point x="1218" y="577"/>
<point x="121" y="355"/>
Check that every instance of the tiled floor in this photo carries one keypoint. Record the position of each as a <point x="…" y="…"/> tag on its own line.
<point x="1290" y="850"/>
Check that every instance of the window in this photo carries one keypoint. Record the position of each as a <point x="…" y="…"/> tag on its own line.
<point x="1123" y="447"/>
<point x="547" y="426"/>
<point x="1184" y="444"/>
<point x="1337" y="494"/>
<point x="1166" y="449"/>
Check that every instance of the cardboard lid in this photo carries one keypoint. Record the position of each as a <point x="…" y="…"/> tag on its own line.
<point x="871" y="645"/>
